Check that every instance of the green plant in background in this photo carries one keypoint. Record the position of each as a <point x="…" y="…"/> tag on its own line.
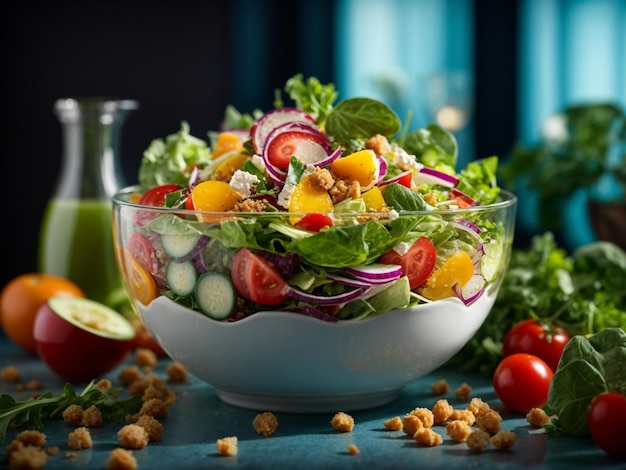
<point x="586" y="146"/>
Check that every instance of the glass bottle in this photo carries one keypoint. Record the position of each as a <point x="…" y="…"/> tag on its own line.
<point x="76" y="238"/>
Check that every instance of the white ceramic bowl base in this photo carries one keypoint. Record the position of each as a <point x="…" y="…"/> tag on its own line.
<point x="287" y="362"/>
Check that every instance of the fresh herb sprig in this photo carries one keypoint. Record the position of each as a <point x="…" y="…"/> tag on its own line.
<point x="33" y="411"/>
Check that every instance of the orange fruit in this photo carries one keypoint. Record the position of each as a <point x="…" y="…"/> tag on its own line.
<point x="20" y="300"/>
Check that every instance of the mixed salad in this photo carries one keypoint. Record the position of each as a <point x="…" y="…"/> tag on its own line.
<point x="325" y="208"/>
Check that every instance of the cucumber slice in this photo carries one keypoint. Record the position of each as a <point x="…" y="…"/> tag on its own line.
<point x="183" y="247"/>
<point x="216" y="295"/>
<point x="181" y="277"/>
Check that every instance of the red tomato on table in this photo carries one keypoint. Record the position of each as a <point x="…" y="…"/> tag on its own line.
<point x="417" y="264"/>
<point x="531" y="337"/>
<point x="257" y="280"/>
<point x="606" y="422"/>
<point x="521" y="381"/>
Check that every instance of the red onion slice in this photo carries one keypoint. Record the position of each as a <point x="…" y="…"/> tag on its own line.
<point x="272" y="119"/>
<point x="382" y="170"/>
<point x="316" y="299"/>
<point x="431" y="176"/>
<point x="376" y="273"/>
<point x="349" y="281"/>
<point x="472" y="290"/>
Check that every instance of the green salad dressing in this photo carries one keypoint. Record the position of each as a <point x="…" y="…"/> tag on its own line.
<point x="77" y="243"/>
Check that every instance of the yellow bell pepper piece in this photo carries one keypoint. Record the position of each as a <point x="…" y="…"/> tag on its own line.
<point x="215" y="196"/>
<point x="458" y="269"/>
<point x="361" y="166"/>
<point x="226" y="142"/>
<point x="224" y="171"/>
<point x="374" y="200"/>
<point x="306" y="197"/>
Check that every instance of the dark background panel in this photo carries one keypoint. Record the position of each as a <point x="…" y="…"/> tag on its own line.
<point x="181" y="60"/>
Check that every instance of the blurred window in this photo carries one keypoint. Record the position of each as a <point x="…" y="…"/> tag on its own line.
<point x="415" y="55"/>
<point x="571" y="52"/>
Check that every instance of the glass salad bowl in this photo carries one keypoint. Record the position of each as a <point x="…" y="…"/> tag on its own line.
<point x="312" y="312"/>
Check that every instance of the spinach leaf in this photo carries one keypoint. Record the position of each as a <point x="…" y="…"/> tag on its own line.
<point x="587" y="368"/>
<point x="360" y="118"/>
<point x="402" y="198"/>
<point x="433" y="146"/>
<point x="351" y="245"/>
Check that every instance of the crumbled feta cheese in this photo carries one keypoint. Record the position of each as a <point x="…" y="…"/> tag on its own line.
<point x="257" y="161"/>
<point x="393" y="214"/>
<point x="284" y="197"/>
<point x="401" y="248"/>
<point x="243" y="182"/>
<point x="404" y="160"/>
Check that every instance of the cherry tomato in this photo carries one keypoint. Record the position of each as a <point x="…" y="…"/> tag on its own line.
<point x="417" y="264"/>
<point x="314" y="222"/>
<point x="521" y="381"/>
<point x="256" y="280"/>
<point x="142" y="250"/>
<point x="282" y="147"/>
<point x="530" y="336"/>
<point x="606" y="422"/>
<point x="140" y="282"/>
<point x="156" y="196"/>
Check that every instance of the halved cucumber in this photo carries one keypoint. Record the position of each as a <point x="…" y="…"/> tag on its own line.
<point x="216" y="295"/>
<point x="183" y="247"/>
<point x="181" y="277"/>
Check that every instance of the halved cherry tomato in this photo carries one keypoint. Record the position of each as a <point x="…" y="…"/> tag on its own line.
<point x="530" y="336"/>
<point x="139" y="281"/>
<point x="256" y="280"/>
<point x="282" y="147"/>
<point x="606" y="422"/>
<point x="142" y="250"/>
<point x="314" y="222"/>
<point x="417" y="264"/>
<point x="521" y="381"/>
<point x="156" y="196"/>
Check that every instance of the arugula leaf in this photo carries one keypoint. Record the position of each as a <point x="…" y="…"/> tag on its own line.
<point x="171" y="160"/>
<point x="312" y="96"/>
<point x="33" y="411"/>
<point x="479" y="180"/>
<point x="433" y="146"/>
<point x="360" y="118"/>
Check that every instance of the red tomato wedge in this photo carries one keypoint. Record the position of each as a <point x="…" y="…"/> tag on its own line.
<point x="417" y="264"/>
<point x="314" y="222"/>
<point x="156" y="196"/>
<point x="142" y="250"/>
<point x="257" y="280"/>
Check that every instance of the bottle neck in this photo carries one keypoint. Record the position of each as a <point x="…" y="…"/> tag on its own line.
<point x="90" y="167"/>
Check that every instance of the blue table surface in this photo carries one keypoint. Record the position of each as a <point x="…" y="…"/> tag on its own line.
<point x="199" y="418"/>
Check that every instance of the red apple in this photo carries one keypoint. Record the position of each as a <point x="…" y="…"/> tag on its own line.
<point x="80" y="339"/>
